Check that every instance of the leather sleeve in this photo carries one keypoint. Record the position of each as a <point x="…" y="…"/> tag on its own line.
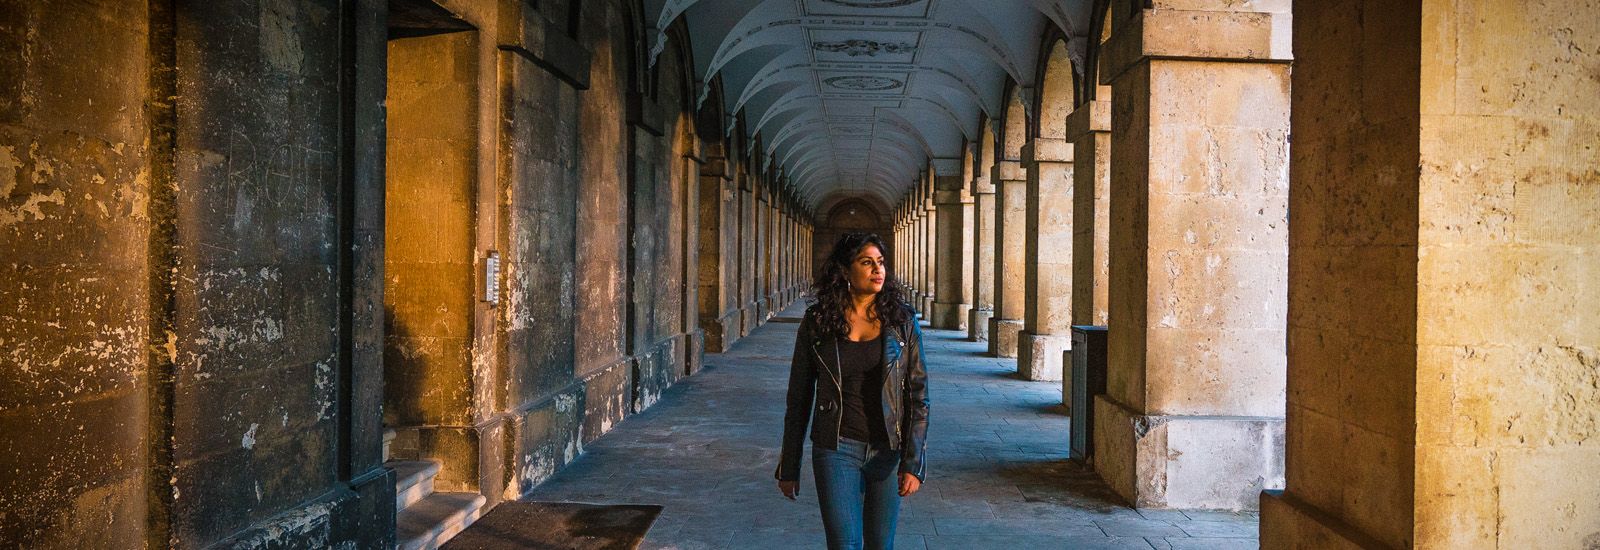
<point x="914" y="458"/>
<point x="797" y="408"/>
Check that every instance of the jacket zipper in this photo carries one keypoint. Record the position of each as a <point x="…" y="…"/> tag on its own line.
<point x="838" y="423"/>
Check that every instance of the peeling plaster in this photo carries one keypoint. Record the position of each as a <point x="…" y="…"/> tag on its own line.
<point x="31" y="207"/>
<point x="8" y="170"/>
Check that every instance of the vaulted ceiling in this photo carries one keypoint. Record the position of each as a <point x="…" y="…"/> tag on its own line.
<point x="852" y="98"/>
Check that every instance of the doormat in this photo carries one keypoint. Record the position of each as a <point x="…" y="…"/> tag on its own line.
<point x="558" y="525"/>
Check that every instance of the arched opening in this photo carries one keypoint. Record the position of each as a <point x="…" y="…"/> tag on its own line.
<point x="1057" y="94"/>
<point x="1047" y="244"/>
<point x="430" y="250"/>
<point x="1011" y="194"/>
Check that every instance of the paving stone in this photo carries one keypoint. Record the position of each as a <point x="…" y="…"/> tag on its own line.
<point x="992" y="542"/>
<point x="1210" y="544"/>
<point x="1139" y="528"/>
<point x="1232" y="529"/>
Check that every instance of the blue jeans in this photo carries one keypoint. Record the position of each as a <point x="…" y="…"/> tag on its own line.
<point x="859" y="493"/>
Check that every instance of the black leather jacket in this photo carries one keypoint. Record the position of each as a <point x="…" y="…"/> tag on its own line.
<point x="905" y="396"/>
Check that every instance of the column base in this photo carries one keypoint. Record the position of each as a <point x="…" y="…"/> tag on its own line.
<point x="927" y="307"/>
<point x="721" y="333"/>
<point x="1187" y="462"/>
<point x="1288" y="522"/>
<point x="749" y="319"/>
<point x="695" y="356"/>
<point x="978" y="324"/>
<point x="950" y="316"/>
<point x="1039" y="355"/>
<point x="1003" y="337"/>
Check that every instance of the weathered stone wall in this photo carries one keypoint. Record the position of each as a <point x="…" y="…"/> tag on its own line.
<point x="429" y="251"/>
<point x="1444" y="256"/>
<point x="194" y="380"/>
<point x="195" y="306"/>
<point x="1353" y="268"/>
<point x="75" y="307"/>
<point x="538" y="168"/>
<point x="1508" y="275"/>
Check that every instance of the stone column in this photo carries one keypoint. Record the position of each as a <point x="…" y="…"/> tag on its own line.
<point x="718" y="274"/>
<point x="954" y="284"/>
<point x="1047" y="261"/>
<point x="1193" y="415"/>
<point x="914" y="247"/>
<point x="789" y="248"/>
<point x="930" y="228"/>
<point x="1089" y="128"/>
<point x="920" y="245"/>
<point x="747" y="249"/>
<point x="763" y="246"/>
<point x="1010" y="210"/>
<point x="774" y="252"/>
<point x="1444" y="266"/>
<point x="983" y="250"/>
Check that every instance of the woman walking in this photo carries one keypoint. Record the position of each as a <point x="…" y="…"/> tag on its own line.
<point x="859" y="355"/>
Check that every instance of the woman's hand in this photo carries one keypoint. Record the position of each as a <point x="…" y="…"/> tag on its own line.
<point x="909" y="484"/>
<point x="792" y="488"/>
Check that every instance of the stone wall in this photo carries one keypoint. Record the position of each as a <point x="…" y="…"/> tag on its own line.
<point x="75" y="307"/>
<point x="207" y="368"/>
<point x="1446" y="249"/>
<point x="216" y="303"/>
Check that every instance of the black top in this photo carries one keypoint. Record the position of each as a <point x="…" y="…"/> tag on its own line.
<point x="861" y="367"/>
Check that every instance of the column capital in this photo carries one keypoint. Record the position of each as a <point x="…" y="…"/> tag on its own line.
<point x="1009" y="170"/>
<point x="1187" y="34"/>
<point x="1040" y="150"/>
<point x="1094" y="116"/>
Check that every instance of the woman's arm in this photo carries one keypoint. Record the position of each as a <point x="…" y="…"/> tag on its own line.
<point x="797" y="411"/>
<point x="913" y="458"/>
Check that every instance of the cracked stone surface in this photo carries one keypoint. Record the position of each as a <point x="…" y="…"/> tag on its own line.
<point x="998" y="474"/>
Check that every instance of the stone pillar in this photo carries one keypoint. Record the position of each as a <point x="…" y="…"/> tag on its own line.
<point x="1089" y="128"/>
<point x="1047" y="261"/>
<point x="1010" y="209"/>
<point x="954" y="284"/>
<point x="774" y="250"/>
<point x="1193" y="415"/>
<point x="747" y="249"/>
<point x="789" y="247"/>
<point x="718" y="274"/>
<point x="1444" y="267"/>
<point x="919" y="244"/>
<point x="983" y="250"/>
<point x="763" y="247"/>
<point x="930" y="229"/>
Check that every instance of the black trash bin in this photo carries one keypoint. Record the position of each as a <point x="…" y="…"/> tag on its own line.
<point x="1088" y="380"/>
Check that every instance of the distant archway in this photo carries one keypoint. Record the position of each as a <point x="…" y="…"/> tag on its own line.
<point x="846" y="216"/>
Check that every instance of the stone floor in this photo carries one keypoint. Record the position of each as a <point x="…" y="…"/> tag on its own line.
<point x="997" y="473"/>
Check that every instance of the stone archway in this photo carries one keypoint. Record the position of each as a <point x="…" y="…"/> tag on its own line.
<point x="848" y="215"/>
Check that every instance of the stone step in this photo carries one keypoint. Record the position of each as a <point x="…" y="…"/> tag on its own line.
<point x="413" y="480"/>
<point x="434" y="520"/>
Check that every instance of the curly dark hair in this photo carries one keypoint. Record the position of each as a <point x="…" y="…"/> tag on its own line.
<point x="830" y="290"/>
